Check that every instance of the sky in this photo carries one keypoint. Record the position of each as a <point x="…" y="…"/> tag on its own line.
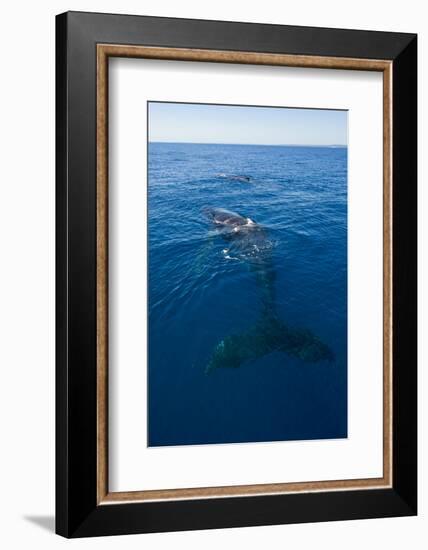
<point x="203" y="123"/>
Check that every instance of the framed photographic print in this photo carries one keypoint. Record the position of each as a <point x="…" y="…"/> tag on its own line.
<point x="236" y="274"/>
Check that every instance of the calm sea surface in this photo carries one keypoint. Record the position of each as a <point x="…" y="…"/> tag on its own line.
<point x="200" y="294"/>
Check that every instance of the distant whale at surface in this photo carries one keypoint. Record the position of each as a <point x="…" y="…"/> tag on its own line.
<point x="236" y="177"/>
<point x="247" y="240"/>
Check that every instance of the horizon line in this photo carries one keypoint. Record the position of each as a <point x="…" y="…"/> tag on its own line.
<point x="255" y="144"/>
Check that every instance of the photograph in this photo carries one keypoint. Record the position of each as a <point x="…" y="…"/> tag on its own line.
<point x="213" y="264"/>
<point x="247" y="273"/>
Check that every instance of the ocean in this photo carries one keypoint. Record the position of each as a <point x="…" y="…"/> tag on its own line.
<point x="201" y="291"/>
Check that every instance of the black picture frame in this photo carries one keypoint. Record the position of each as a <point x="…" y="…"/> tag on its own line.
<point x="77" y="512"/>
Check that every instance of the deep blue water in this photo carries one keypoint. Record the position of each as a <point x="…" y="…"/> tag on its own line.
<point x="198" y="294"/>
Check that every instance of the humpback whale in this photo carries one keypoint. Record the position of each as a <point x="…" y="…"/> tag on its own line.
<point x="247" y="240"/>
<point x="236" y="177"/>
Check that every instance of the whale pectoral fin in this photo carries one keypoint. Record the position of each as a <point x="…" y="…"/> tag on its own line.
<point x="266" y="336"/>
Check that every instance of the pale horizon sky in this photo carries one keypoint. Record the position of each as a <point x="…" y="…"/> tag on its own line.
<point x="203" y="123"/>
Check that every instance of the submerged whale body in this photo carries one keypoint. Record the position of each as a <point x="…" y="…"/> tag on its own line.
<point x="249" y="241"/>
<point x="236" y="177"/>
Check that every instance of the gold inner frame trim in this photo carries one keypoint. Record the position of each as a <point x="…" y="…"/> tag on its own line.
<point x="104" y="51"/>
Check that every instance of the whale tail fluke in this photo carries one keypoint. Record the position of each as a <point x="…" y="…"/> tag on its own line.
<point x="269" y="334"/>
